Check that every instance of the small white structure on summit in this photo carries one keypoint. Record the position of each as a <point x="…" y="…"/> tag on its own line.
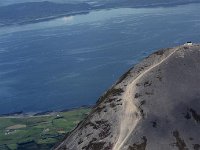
<point x="188" y="43"/>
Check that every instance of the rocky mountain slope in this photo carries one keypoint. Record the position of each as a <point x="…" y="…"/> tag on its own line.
<point x="154" y="106"/>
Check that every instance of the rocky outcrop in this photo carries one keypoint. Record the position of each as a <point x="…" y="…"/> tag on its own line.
<point x="154" y="106"/>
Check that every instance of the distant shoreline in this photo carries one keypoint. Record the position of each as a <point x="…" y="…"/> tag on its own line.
<point x="21" y="114"/>
<point x="89" y="9"/>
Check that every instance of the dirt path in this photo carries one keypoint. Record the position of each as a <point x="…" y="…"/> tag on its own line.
<point x="129" y="119"/>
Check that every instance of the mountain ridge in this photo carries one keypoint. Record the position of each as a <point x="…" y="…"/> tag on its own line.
<point x="142" y="107"/>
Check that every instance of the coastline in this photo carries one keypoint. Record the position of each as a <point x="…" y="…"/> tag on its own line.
<point x="97" y="8"/>
<point x="21" y="114"/>
<point x="41" y="131"/>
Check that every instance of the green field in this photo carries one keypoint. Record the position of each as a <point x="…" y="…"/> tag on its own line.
<point x="38" y="132"/>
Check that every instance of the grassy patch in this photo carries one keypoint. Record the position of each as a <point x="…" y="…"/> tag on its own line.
<point x="39" y="131"/>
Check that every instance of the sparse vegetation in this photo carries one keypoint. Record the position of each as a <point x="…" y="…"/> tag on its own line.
<point x="160" y="52"/>
<point x="137" y="95"/>
<point x="147" y="83"/>
<point x="195" y="115"/>
<point x="180" y="143"/>
<point x="124" y="76"/>
<point x="109" y="93"/>
<point x="139" y="146"/>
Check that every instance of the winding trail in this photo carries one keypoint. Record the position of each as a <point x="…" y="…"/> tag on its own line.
<point x="129" y="118"/>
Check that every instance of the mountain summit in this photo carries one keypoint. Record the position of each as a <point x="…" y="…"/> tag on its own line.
<point x="154" y="106"/>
